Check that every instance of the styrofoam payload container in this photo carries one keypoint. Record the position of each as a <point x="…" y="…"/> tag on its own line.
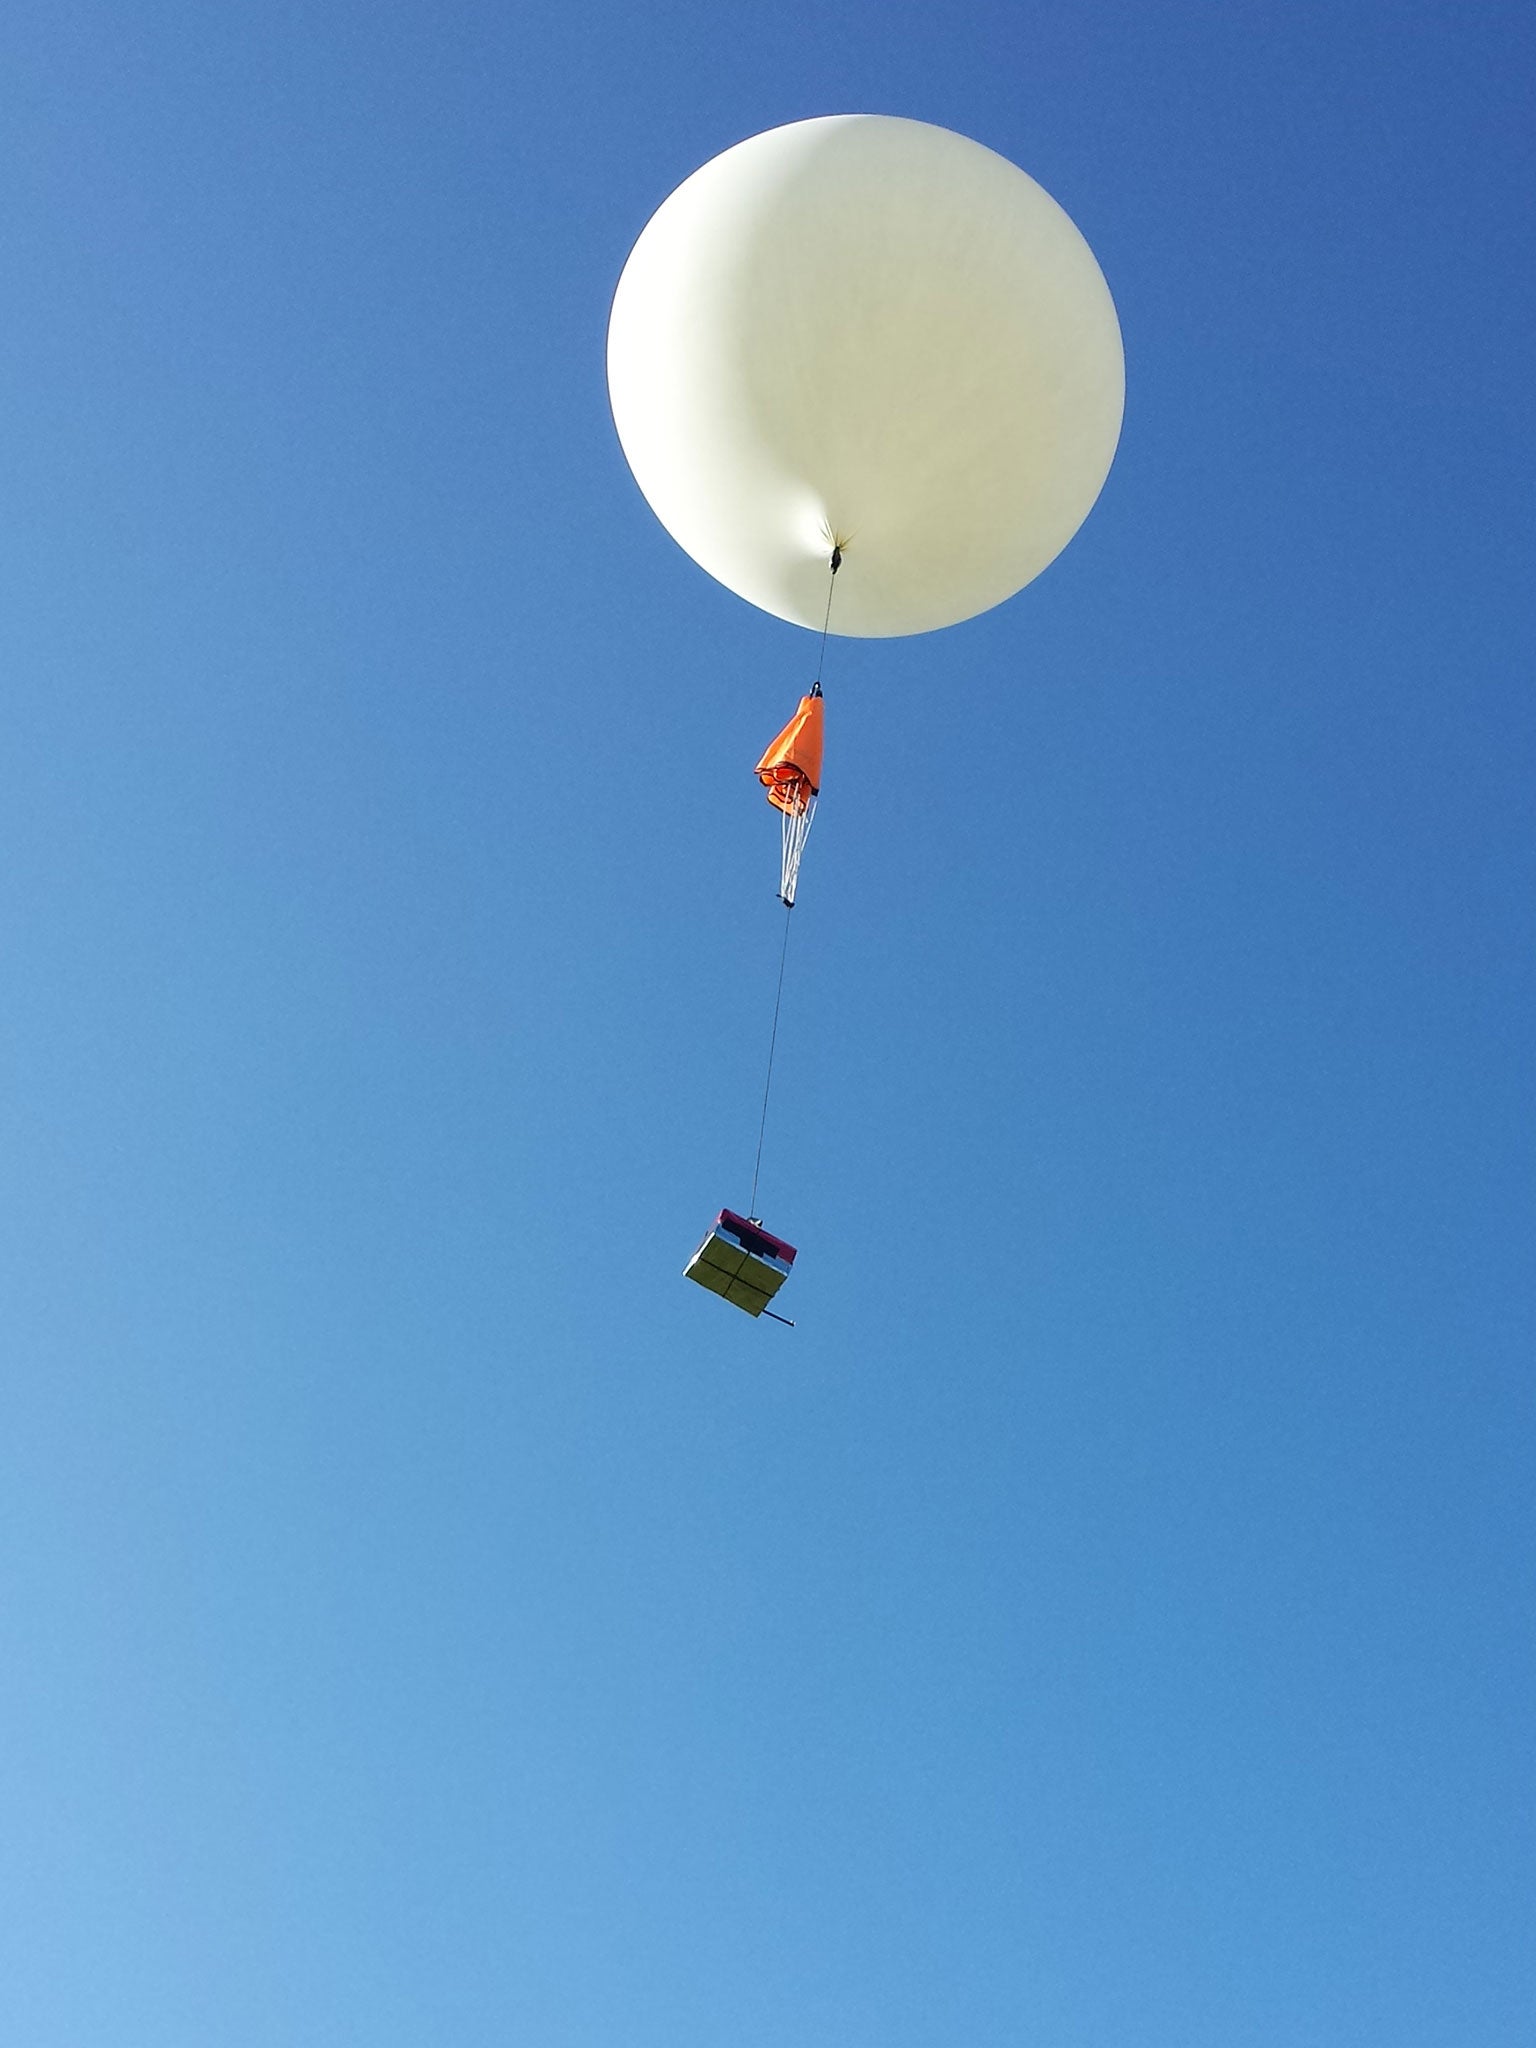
<point x="741" y="1262"/>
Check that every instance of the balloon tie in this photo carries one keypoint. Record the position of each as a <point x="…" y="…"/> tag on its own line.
<point x="821" y="659"/>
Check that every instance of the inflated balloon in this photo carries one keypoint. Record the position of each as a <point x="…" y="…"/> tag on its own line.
<point x="870" y="334"/>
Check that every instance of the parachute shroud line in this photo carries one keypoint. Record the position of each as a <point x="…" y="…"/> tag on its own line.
<point x="795" y="822"/>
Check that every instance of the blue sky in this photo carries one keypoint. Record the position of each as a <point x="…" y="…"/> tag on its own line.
<point x="1106" y="1621"/>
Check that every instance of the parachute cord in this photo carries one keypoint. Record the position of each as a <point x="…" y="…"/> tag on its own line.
<point x="821" y="659"/>
<point x="768" y="1079"/>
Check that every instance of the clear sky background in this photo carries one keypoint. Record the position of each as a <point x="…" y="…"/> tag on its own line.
<point x="1106" y="1621"/>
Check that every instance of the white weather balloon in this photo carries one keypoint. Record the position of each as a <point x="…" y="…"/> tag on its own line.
<point x="871" y="333"/>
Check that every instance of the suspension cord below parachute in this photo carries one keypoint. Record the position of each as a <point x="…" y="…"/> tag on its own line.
<point x="762" y="1123"/>
<point x="778" y="994"/>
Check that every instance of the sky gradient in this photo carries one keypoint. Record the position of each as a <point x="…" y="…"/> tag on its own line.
<point x="1106" y="1620"/>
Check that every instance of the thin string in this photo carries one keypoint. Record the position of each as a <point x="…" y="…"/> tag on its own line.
<point x="772" y="1046"/>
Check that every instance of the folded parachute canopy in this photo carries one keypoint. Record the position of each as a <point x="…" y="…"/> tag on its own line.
<point x="790" y="769"/>
<point x="790" y="772"/>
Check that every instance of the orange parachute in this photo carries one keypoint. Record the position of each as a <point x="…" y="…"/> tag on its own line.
<point x="790" y="772"/>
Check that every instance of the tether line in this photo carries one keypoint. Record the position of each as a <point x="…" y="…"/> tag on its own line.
<point x="778" y="995"/>
<point x="773" y="1041"/>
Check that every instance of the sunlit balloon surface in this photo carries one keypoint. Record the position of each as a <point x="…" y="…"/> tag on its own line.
<point x="872" y="333"/>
